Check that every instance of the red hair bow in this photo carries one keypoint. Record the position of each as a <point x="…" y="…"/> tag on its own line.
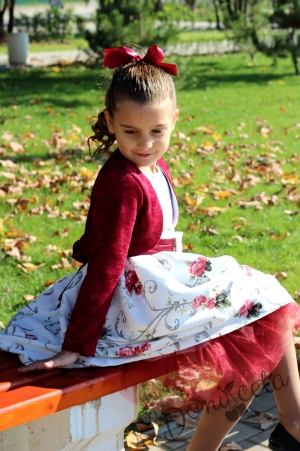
<point x="118" y="56"/>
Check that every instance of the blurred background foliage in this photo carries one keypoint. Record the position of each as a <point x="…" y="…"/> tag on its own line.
<point x="267" y="26"/>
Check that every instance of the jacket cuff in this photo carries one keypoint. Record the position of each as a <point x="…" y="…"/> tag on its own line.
<point x="83" y="347"/>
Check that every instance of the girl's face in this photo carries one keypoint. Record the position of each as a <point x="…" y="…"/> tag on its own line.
<point x="143" y="131"/>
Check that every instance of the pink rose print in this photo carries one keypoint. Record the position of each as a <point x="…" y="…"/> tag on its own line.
<point x="248" y="270"/>
<point x="137" y="350"/>
<point x="142" y="348"/>
<point x="138" y="289"/>
<point x="198" y="267"/>
<point x="126" y="351"/>
<point x="31" y="337"/>
<point x="244" y="310"/>
<point x="198" y="301"/>
<point x="132" y="283"/>
<point x="211" y="303"/>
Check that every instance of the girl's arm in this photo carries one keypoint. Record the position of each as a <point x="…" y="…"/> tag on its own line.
<point x="117" y="199"/>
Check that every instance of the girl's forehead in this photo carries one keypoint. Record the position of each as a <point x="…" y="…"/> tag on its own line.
<point x="162" y="108"/>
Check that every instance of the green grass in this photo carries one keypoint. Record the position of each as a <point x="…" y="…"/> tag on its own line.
<point x="202" y="36"/>
<point x="47" y="111"/>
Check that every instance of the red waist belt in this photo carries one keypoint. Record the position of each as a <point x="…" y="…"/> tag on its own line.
<point x="162" y="245"/>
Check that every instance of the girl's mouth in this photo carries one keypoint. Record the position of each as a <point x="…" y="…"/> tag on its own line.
<point x="144" y="155"/>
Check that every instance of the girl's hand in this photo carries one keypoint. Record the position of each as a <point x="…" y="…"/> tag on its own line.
<point x="63" y="358"/>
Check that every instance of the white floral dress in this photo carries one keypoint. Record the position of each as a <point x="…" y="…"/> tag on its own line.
<point x="163" y="303"/>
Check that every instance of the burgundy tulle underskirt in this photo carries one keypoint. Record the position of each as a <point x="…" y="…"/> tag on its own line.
<point x="227" y="367"/>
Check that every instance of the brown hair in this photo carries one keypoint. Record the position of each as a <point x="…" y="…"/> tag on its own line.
<point x="137" y="82"/>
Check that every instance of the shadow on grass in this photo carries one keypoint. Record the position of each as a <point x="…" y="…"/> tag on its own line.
<point x="67" y="88"/>
<point x="199" y="72"/>
<point x="72" y="155"/>
<point x="63" y="89"/>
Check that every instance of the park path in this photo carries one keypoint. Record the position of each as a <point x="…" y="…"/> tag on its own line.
<point x="246" y="435"/>
<point x="48" y="58"/>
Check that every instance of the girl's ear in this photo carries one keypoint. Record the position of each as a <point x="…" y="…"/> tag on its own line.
<point x="109" y="122"/>
<point x="175" y="117"/>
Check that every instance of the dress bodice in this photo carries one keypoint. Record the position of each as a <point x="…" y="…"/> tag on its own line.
<point x="167" y="200"/>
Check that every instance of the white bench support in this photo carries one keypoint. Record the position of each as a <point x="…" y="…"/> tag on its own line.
<point x="94" y="426"/>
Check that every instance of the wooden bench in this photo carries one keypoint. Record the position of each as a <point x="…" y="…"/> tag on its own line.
<point x="79" y="409"/>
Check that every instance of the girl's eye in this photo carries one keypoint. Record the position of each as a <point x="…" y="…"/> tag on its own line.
<point x="129" y="132"/>
<point x="156" y="131"/>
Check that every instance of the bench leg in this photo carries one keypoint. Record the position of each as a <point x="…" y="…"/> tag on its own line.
<point x="94" y="426"/>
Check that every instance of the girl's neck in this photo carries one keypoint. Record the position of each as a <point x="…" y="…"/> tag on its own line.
<point x="149" y="169"/>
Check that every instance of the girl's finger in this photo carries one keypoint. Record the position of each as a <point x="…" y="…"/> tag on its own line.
<point x="38" y="365"/>
<point x="62" y="359"/>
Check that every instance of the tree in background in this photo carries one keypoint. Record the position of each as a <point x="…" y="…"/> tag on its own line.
<point x="235" y="7"/>
<point x="217" y="4"/>
<point x="158" y="6"/>
<point x="11" y="7"/>
<point x="246" y="19"/>
<point x="139" y="22"/>
<point x="3" y="6"/>
<point x="10" y="4"/>
<point x="191" y="4"/>
<point x="287" y="17"/>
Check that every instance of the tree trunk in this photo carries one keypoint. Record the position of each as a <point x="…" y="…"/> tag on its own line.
<point x="235" y="3"/>
<point x="216" y="6"/>
<point x="11" y="16"/>
<point x="2" y="11"/>
<point x="191" y="4"/>
<point x="294" y="39"/>
<point x="295" y="62"/>
<point x="229" y="9"/>
<point x="158" y="6"/>
<point x="105" y="7"/>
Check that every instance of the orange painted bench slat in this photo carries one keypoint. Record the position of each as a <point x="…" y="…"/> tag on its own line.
<point x="26" y="397"/>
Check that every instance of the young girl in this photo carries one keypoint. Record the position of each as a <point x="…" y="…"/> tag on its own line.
<point x="219" y="329"/>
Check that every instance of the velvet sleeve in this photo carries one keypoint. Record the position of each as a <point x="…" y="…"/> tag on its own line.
<point x="115" y="204"/>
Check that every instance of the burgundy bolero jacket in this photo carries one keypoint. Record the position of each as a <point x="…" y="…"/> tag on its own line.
<point x="125" y="219"/>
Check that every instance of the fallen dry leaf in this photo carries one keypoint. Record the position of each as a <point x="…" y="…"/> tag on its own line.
<point x="29" y="267"/>
<point x="297" y="341"/>
<point x="279" y="237"/>
<point x="222" y="194"/>
<point x="238" y="237"/>
<point x="193" y="227"/>
<point x="292" y="213"/>
<point x="262" y="420"/>
<point x="8" y="164"/>
<point x="232" y="446"/>
<point x="279" y="275"/>
<point x="289" y="178"/>
<point x="210" y="230"/>
<point x="16" y="147"/>
<point x="15" y="253"/>
<point x="135" y="440"/>
<point x="297" y="294"/>
<point x="28" y="297"/>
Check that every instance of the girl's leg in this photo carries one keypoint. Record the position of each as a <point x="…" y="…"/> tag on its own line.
<point x="214" y="426"/>
<point x="286" y="387"/>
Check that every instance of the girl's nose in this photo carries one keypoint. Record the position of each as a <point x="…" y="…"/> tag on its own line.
<point x="144" y="143"/>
